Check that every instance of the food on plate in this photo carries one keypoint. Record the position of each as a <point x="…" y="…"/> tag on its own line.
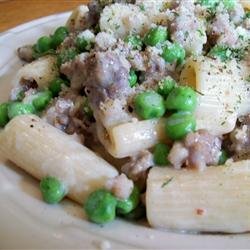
<point x="29" y="139"/>
<point x="139" y="109"/>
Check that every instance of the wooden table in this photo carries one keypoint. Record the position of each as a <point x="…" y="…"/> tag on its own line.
<point x="15" y="12"/>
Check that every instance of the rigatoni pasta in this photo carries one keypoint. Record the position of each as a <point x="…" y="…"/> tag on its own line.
<point x="216" y="200"/>
<point x="42" y="150"/>
<point x="129" y="138"/>
<point x="42" y="71"/>
<point x="223" y="93"/>
<point x="78" y="18"/>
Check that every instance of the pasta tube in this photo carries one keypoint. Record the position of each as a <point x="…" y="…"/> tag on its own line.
<point x="245" y="4"/>
<point x="214" y="200"/>
<point x="42" y="150"/>
<point x="42" y="71"/>
<point x="78" y="17"/>
<point x="129" y="138"/>
<point x="223" y="93"/>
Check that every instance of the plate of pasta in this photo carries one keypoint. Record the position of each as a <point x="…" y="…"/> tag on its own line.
<point x="126" y="125"/>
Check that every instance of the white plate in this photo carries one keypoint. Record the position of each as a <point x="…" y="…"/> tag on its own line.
<point x="27" y="222"/>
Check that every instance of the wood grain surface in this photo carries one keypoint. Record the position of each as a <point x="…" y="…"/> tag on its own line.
<point x="15" y="12"/>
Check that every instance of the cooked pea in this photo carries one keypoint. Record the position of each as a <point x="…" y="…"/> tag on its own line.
<point x="100" y="207"/>
<point x="20" y="96"/>
<point x="41" y="100"/>
<point x="149" y="105"/>
<point x="86" y="108"/>
<point x="156" y="35"/>
<point x="43" y="44"/>
<point x="4" y="118"/>
<point x="19" y="108"/>
<point x="127" y="205"/>
<point x="53" y="191"/>
<point x="58" y="37"/>
<point x="134" y="41"/>
<point x="161" y="152"/>
<point x="173" y="53"/>
<point x="222" y="52"/>
<point x="178" y="125"/>
<point x="97" y="29"/>
<point x="223" y="157"/>
<point x="103" y="3"/>
<point x="138" y="213"/>
<point x="132" y="78"/>
<point x="165" y="86"/>
<point x="66" y="55"/>
<point x="55" y="86"/>
<point x="211" y="4"/>
<point x="181" y="98"/>
<point x="81" y="43"/>
<point x="229" y="4"/>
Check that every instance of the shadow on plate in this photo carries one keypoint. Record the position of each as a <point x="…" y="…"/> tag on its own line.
<point x="30" y="186"/>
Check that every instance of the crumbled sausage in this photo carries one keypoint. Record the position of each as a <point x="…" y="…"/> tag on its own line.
<point x="240" y="139"/>
<point x="198" y="150"/>
<point x="25" y="53"/>
<point x="137" y="167"/>
<point x="120" y="186"/>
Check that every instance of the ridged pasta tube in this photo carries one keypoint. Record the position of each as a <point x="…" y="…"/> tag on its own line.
<point x="223" y="97"/>
<point x="78" y="18"/>
<point x="127" y="139"/>
<point x="245" y="4"/>
<point x="42" y="150"/>
<point x="42" y="71"/>
<point x="214" y="200"/>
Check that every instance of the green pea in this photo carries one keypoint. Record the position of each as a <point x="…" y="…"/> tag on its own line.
<point x="161" y="152"/>
<point x="132" y="78"/>
<point x="129" y="204"/>
<point x="41" y="100"/>
<point x="103" y="3"/>
<point x="174" y="53"/>
<point x="97" y="28"/>
<point x="66" y="55"/>
<point x="43" y="44"/>
<point x="222" y="52"/>
<point x="149" y="105"/>
<point x="156" y="35"/>
<point x="100" y="207"/>
<point x="19" y="108"/>
<point x="181" y="98"/>
<point x="178" y="125"/>
<point x="165" y="86"/>
<point x="86" y="108"/>
<point x="229" y="4"/>
<point x="81" y="43"/>
<point x="138" y="213"/>
<point x="55" y="86"/>
<point x="134" y="41"/>
<point x="4" y="118"/>
<point x="59" y="35"/>
<point x="211" y="4"/>
<point x="223" y="157"/>
<point x="36" y="54"/>
<point x="247" y="14"/>
<point x="53" y="191"/>
<point x="20" y="96"/>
